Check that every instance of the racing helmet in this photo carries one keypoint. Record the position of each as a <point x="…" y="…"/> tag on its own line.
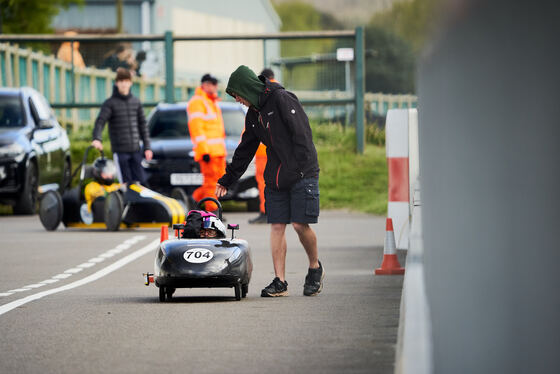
<point x="104" y="171"/>
<point x="211" y="222"/>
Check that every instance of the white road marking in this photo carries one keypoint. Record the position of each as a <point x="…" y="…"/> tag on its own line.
<point x="86" y="265"/>
<point x="93" y="277"/>
<point x="62" y="276"/>
<point x="36" y="285"/>
<point x="73" y="270"/>
<point x="92" y="262"/>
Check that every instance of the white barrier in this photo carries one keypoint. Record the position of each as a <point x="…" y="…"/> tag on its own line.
<point x="401" y="134"/>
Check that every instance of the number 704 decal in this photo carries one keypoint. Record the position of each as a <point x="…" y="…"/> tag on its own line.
<point x="198" y="255"/>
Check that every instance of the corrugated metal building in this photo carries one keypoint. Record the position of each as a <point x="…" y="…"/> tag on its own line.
<point x="185" y="17"/>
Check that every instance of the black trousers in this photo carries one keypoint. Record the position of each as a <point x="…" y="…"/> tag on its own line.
<point x="130" y="167"/>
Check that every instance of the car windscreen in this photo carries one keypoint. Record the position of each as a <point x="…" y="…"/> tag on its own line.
<point x="234" y="121"/>
<point x="11" y="111"/>
<point x="169" y="124"/>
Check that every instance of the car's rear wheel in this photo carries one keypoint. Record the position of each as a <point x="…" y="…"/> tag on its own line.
<point x="162" y="294"/>
<point x="50" y="210"/>
<point x="27" y="203"/>
<point x="244" y="290"/>
<point x="113" y="211"/>
<point x="237" y="291"/>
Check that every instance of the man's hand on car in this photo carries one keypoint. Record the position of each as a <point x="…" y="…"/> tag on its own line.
<point x="97" y="144"/>
<point x="206" y="158"/>
<point x="220" y="190"/>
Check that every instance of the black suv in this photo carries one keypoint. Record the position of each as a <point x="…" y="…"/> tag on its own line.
<point x="173" y="171"/>
<point x="34" y="149"/>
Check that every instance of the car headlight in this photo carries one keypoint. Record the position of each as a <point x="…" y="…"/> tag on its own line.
<point x="13" y="150"/>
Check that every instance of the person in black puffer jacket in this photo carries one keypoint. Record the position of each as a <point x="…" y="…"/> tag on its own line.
<point x="127" y="126"/>
<point x="276" y="118"/>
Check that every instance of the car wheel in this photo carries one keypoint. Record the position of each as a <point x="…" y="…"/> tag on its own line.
<point x="162" y="294"/>
<point x="244" y="290"/>
<point x="179" y="194"/>
<point x="254" y="205"/>
<point x="66" y="176"/>
<point x="27" y="203"/>
<point x="237" y="291"/>
<point x="50" y="210"/>
<point x="113" y="211"/>
<point x="169" y="293"/>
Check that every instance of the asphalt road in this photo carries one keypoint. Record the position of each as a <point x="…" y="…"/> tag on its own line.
<point x="73" y="301"/>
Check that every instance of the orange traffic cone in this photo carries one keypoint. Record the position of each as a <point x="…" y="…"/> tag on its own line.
<point x="390" y="264"/>
<point x="164" y="233"/>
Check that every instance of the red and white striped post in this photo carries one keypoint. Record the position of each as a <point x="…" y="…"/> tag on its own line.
<point x="397" y="150"/>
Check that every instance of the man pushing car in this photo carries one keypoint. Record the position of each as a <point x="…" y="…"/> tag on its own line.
<point x="276" y="118"/>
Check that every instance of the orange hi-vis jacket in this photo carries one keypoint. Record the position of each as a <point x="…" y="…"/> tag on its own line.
<point x="206" y="125"/>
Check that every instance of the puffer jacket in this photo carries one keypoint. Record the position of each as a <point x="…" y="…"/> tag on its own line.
<point x="127" y="123"/>
<point x="281" y="125"/>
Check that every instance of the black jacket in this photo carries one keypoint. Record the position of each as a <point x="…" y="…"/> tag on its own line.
<point x="281" y="125"/>
<point x="127" y="124"/>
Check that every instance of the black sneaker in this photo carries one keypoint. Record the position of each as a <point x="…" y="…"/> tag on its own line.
<point x="314" y="281"/>
<point x="261" y="218"/>
<point x="276" y="288"/>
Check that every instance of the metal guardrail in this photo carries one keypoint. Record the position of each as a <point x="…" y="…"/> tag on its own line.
<point x="169" y="39"/>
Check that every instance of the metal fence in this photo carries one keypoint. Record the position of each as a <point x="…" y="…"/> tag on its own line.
<point x="77" y="92"/>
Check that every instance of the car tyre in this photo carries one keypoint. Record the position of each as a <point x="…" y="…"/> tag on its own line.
<point x="66" y="175"/>
<point x="244" y="290"/>
<point x="237" y="291"/>
<point x="51" y="210"/>
<point x="169" y="293"/>
<point x="162" y="294"/>
<point x="254" y="205"/>
<point x="27" y="203"/>
<point x="179" y="194"/>
<point x="113" y="211"/>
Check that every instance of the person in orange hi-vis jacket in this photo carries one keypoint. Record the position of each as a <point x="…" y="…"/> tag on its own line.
<point x="70" y="52"/>
<point x="206" y="127"/>
<point x="260" y="164"/>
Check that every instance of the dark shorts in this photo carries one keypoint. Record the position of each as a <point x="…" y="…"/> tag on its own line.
<point x="300" y="204"/>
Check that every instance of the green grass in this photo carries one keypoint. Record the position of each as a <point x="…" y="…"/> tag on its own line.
<point x="348" y="180"/>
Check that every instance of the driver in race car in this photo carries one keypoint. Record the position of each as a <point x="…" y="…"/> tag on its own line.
<point x="104" y="173"/>
<point x="212" y="227"/>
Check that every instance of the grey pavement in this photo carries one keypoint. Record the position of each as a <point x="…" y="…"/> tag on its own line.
<point x="117" y="325"/>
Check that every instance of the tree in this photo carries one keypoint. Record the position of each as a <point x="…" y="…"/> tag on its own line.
<point x="414" y="20"/>
<point x="298" y="16"/>
<point x="390" y="68"/>
<point x="30" y="16"/>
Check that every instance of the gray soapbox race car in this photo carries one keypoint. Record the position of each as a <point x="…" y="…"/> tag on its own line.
<point x="200" y="255"/>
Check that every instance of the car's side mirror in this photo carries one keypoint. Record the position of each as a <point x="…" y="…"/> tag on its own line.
<point x="45" y="124"/>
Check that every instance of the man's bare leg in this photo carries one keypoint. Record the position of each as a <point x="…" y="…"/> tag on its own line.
<point x="278" y="247"/>
<point x="308" y="239"/>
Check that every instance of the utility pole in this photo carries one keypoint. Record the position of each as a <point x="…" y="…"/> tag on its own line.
<point x="119" y="16"/>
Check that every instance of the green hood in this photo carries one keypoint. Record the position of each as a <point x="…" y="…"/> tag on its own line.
<point x="244" y="82"/>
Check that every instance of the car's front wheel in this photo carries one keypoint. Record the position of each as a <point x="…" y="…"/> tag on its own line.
<point x="27" y="202"/>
